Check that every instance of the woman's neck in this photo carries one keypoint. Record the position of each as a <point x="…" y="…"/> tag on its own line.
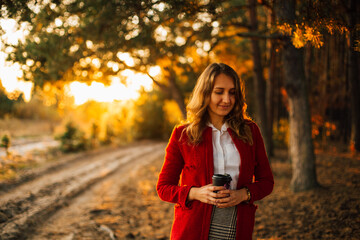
<point x="217" y="122"/>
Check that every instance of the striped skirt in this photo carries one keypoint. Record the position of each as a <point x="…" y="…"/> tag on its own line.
<point x="223" y="224"/>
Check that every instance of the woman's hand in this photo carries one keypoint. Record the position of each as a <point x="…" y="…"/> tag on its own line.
<point x="234" y="198"/>
<point x="206" y="194"/>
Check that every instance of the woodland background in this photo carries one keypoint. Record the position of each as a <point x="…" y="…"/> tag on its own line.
<point x="299" y="61"/>
<point x="108" y="76"/>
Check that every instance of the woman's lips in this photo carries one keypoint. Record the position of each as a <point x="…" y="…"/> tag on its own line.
<point x="224" y="107"/>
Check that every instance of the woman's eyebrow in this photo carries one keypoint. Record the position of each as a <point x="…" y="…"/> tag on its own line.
<point x="223" y="88"/>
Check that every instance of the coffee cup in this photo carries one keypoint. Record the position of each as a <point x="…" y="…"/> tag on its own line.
<point x="221" y="180"/>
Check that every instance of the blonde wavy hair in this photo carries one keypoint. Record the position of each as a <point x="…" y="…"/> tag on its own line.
<point x="197" y="108"/>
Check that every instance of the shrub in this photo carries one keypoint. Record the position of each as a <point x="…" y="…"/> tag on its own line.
<point x="281" y="133"/>
<point x="5" y="143"/>
<point x="73" y="139"/>
<point x="149" y="120"/>
<point x="35" y="109"/>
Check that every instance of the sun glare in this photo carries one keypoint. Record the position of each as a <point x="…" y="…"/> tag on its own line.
<point x="9" y="77"/>
<point x="154" y="71"/>
<point x="125" y="57"/>
<point x="11" y="74"/>
<point x="12" y="35"/>
<point x="115" y="91"/>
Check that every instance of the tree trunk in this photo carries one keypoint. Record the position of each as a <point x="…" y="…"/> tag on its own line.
<point x="353" y="74"/>
<point x="270" y="88"/>
<point x="177" y="96"/>
<point x="260" y="86"/>
<point x="270" y="93"/>
<point x="301" y="145"/>
<point x="175" y="91"/>
<point x="172" y="90"/>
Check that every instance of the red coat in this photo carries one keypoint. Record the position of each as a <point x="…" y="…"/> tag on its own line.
<point x="187" y="166"/>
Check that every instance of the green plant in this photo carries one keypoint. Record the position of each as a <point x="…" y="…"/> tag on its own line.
<point x="281" y="133"/>
<point x="95" y="130"/>
<point x="35" y="109"/>
<point x="73" y="139"/>
<point x="5" y="143"/>
<point x="109" y="134"/>
<point x="149" y="117"/>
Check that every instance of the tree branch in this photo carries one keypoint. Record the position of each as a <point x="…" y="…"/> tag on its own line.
<point x="267" y="4"/>
<point x="237" y="24"/>
<point x="259" y="35"/>
<point x="163" y="87"/>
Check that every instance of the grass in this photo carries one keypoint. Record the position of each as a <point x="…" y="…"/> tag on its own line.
<point x="12" y="166"/>
<point x="26" y="128"/>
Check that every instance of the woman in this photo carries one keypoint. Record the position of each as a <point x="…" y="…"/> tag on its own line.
<point x="217" y="138"/>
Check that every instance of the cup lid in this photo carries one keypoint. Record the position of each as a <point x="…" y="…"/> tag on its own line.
<point x="225" y="175"/>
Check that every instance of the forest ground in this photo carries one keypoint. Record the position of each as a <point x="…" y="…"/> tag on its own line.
<point x="125" y="204"/>
<point x="329" y="212"/>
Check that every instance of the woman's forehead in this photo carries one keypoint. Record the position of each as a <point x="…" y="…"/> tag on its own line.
<point x="223" y="81"/>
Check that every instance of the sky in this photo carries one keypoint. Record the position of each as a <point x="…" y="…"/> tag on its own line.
<point x="11" y="75"/>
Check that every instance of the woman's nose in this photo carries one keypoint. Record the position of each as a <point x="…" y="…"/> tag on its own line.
<point x="226" y="98"/>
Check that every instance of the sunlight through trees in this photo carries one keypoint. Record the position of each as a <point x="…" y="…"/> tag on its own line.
<point x="299" y="60"/>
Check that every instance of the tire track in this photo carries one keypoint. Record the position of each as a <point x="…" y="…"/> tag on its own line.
<point x="57" y="165"/>
<point x="50" y="192"/>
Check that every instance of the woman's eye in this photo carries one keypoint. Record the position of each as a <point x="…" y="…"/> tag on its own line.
<point x="218" y="93"/>
<point x="232" y="93"/>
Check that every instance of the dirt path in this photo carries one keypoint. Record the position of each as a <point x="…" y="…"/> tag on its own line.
<point x="23" y="207"/>
<point x="23" y="146"/>
<point x="330" y="212"/>
<point x="125" y="205"/>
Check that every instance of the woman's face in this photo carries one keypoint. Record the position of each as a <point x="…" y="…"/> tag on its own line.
<point x="222" y="97"/>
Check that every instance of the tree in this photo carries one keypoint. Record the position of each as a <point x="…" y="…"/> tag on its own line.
<point x="335" y="17"/>
<point x="78" y="41"/>
<point x="7" y="103"/>
<point x="260" y="85"/>
<point x="301" y="145"/>
<point x="272" y="82"/>
<point x="353" y="21"/>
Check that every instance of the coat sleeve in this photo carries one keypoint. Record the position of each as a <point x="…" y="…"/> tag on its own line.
<point x="264" y="181"/>
<point x="168" y="187"/>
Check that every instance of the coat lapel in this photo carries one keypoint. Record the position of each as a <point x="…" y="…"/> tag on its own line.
<point x="245" y="157"/>
<point x="209" y="156"/>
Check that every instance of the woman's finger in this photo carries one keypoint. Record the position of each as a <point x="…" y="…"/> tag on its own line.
<point x="211" y="200"/>
<point x="216" y="188"/>
<point x="232" y="200"/>
<point x="226" y="202"/>
<point x="225" y="191"/>
<point x="223" y="200"/>
<point x="213" y="194"/>
<point x="220" y="195"/>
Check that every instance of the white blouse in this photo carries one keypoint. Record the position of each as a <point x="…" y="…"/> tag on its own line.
<point x="226" y="156"/>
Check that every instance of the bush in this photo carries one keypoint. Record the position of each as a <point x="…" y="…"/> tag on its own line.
<point x="109" y="134"/>
<point x="95" y="130"/>
<point x="73" y="139"/>
<point x="5" y="143"/>
<point x="35" y="109"/>
<point x="7" y="103"/>
<point x="150" y="120"/>
<point x="281" y="133"/>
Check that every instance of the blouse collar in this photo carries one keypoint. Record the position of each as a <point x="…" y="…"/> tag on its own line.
<point x="223" y="128"/>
